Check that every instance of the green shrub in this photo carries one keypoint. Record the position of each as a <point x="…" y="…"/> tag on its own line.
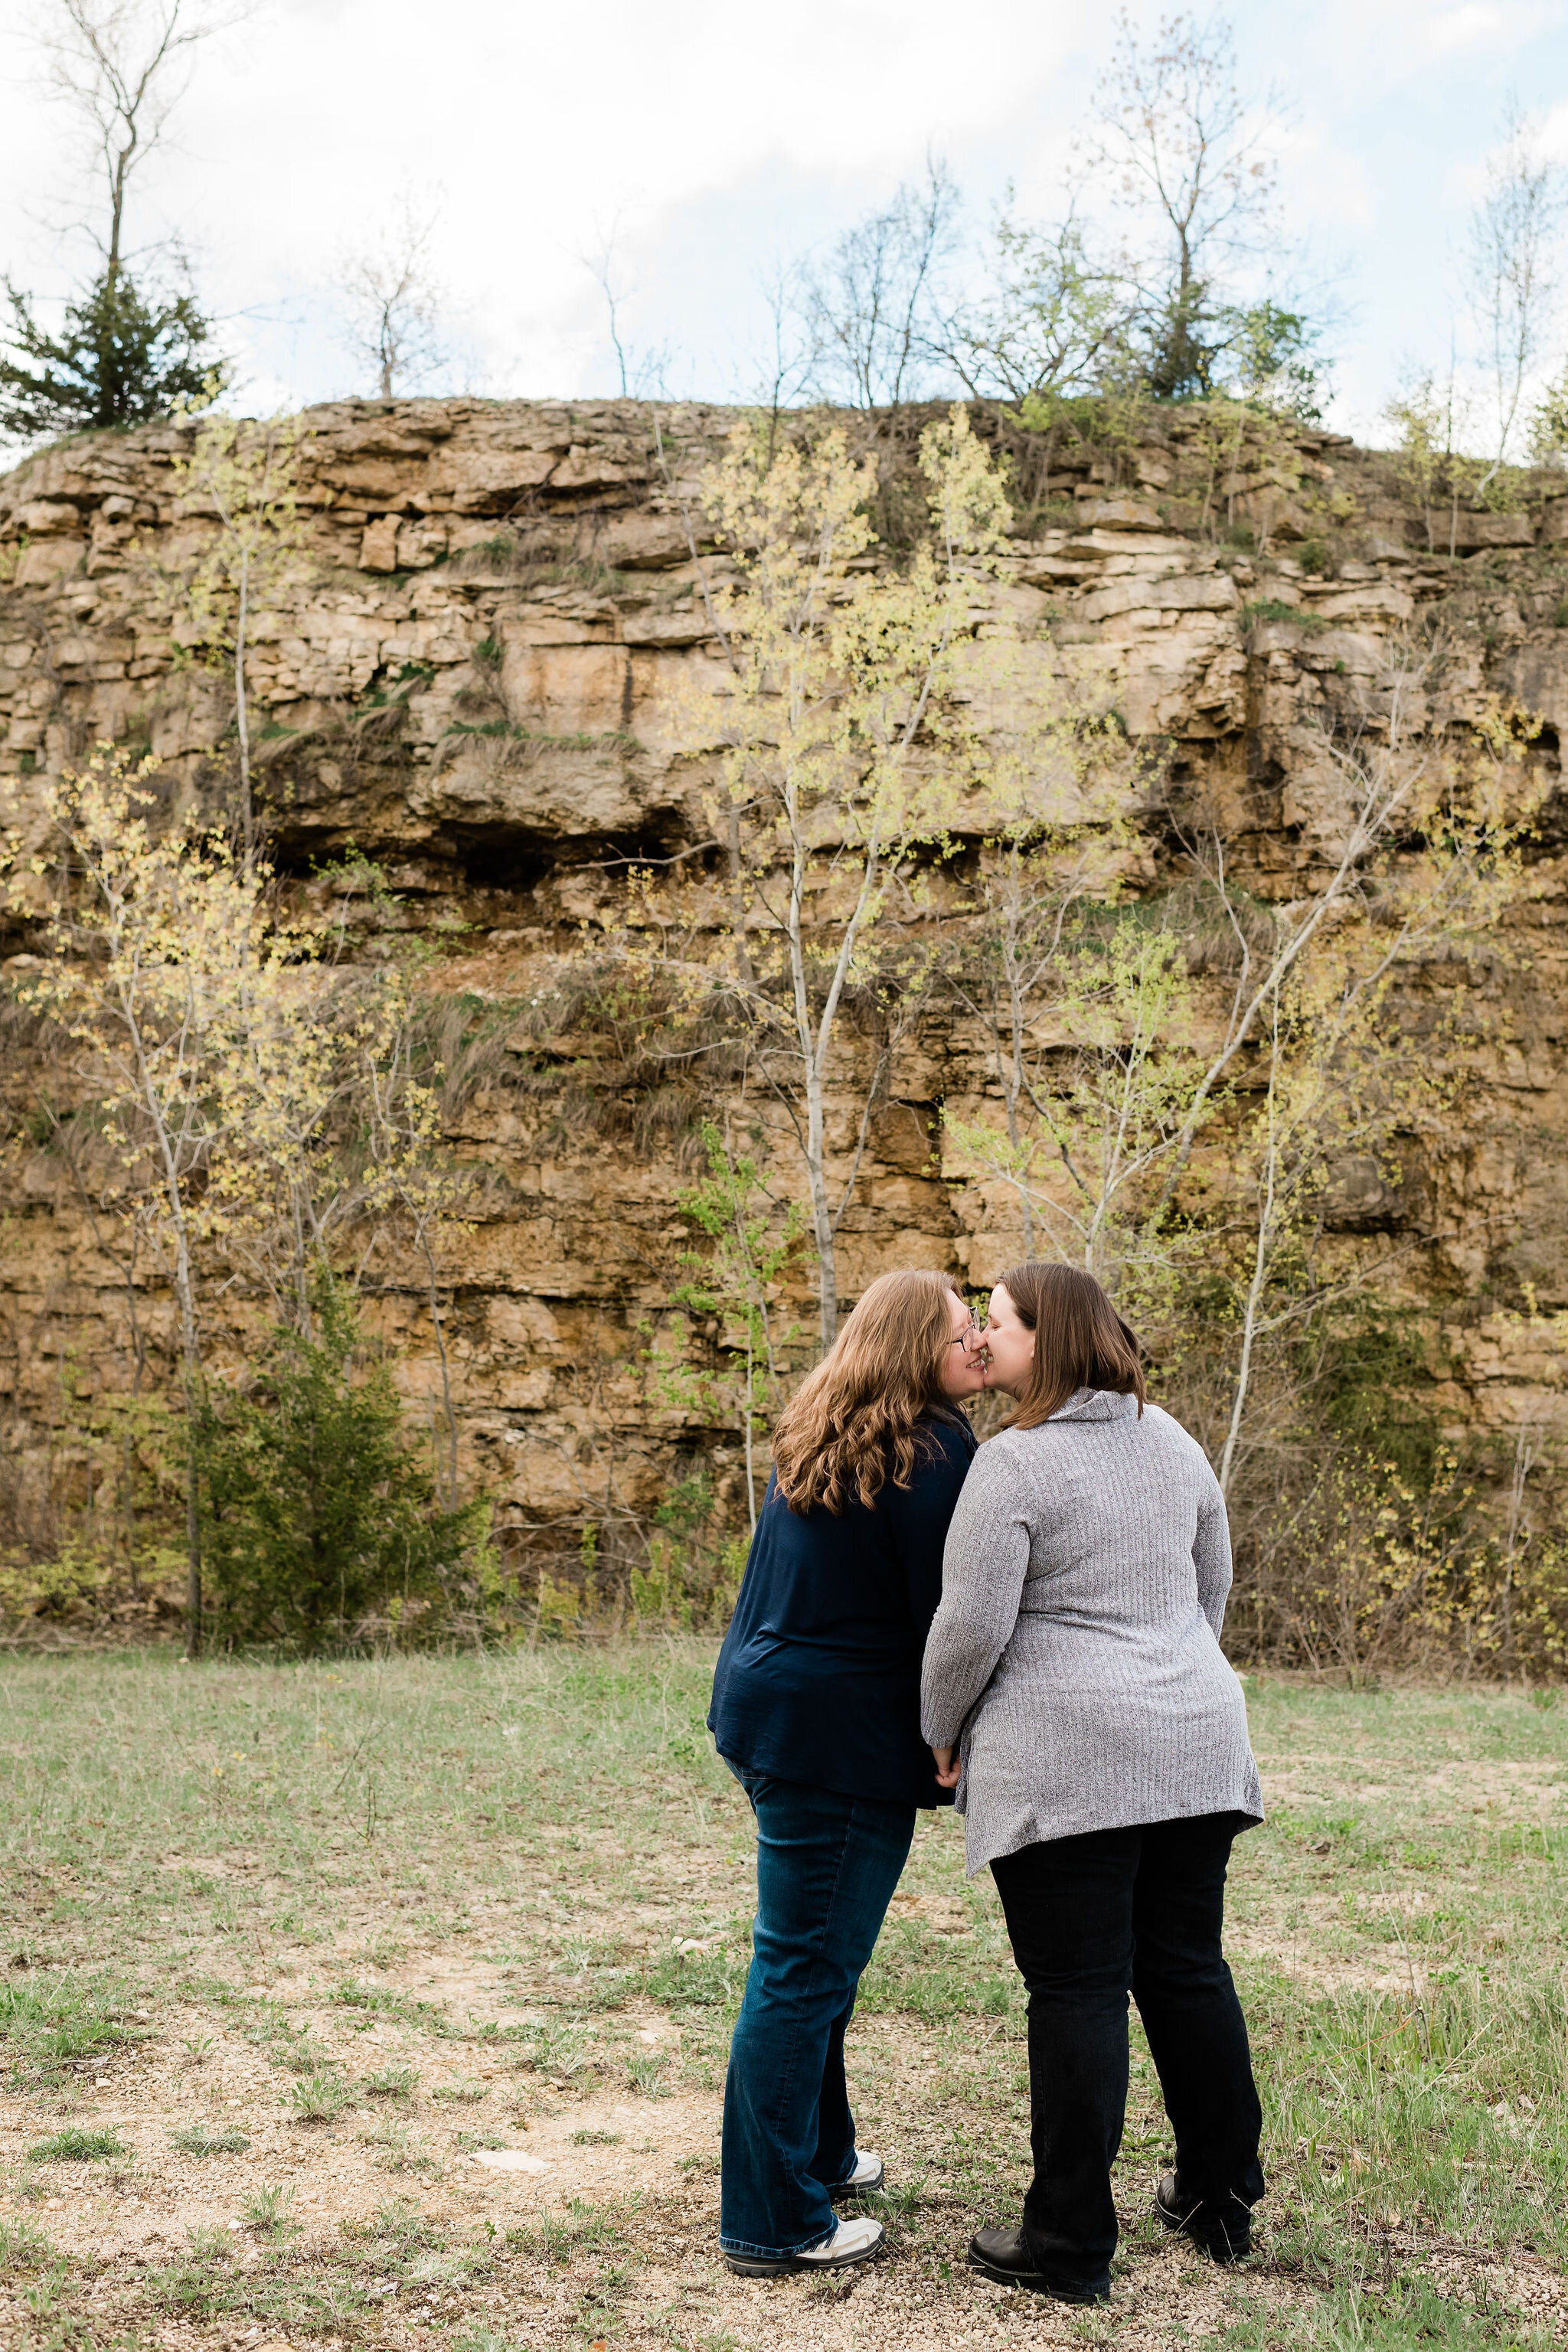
<point x="322" y="1517"/>
<point x="389" y="2083"/>
<point x="1269" y="608"/>
<point x="319" y="2097"/>
<point x="74" y="2146"/>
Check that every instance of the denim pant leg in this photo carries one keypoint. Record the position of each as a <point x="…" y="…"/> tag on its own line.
<point x="827" y="1869"/>
<point x="1069" y="1907"/>
<point x="1187" y="2000"/>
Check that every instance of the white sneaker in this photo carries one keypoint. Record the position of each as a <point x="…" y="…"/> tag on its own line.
<point x="867" y="2177"/>
<point x="852" y="2242"/>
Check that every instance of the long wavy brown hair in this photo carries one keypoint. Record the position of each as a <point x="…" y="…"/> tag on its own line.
<point x="1080" y="1341"/>
<point x="851" y="1423"/>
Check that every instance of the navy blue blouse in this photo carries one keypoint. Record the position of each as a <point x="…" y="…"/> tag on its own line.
<point x="819" y="1677"/>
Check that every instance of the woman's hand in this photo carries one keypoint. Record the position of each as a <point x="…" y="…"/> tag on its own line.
<point x="946" y="1767"/>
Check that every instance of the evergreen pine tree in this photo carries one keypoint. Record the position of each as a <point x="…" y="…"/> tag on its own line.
<point x="118" y="359"/>
<point x="320" y="1514"/>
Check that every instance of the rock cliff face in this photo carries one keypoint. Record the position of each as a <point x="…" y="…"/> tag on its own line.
<point x="476" y="677"/>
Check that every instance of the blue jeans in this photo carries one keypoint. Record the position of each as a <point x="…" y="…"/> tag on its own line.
<point x="826" y="1868"/>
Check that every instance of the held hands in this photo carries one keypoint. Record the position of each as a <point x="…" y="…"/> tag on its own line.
<point x="946" y="1767"/>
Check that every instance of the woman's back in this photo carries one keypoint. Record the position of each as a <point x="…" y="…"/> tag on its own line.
<point x="818" y="1679"/>
<point x="1131" y="1522"/>
<point x="1084" y="1588"/>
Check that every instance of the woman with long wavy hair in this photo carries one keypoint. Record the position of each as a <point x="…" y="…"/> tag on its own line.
<point x="816" y="1711"/>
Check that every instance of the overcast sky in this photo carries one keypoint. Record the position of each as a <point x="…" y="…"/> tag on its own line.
<point x="716" y="139"/>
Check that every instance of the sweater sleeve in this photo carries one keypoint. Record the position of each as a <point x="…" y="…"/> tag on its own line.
<point x="984" y="1566"/>
<point x="1211" y="1554"/>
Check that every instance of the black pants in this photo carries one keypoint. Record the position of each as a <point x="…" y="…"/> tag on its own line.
<point x="1092" y="1919"/>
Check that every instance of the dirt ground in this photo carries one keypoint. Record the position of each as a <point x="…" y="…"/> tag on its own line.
<point x="385" y="2069"/>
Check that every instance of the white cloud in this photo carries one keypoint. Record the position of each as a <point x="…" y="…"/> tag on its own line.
<point x="1460" y="28"/>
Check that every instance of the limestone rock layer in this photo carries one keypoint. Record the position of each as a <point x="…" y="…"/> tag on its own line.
<point x="476" y="673"/>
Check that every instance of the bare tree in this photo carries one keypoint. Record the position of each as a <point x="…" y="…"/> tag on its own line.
<point x="394" y="300"/>
<point x="641" y="373"/>
<point x="122" y="66"/>
<point x="1187" y="155"/>
<point x="871" y="305"/>
<point x="778" y="374"/>
<point x="1512" y="266"/>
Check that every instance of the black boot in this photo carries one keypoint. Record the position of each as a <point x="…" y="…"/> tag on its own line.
<point x="1003" y="2255"/>
<point x="1224" y="2231"/>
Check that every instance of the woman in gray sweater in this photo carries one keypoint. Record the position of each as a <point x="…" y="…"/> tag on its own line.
<point x="1075" y="1693"/>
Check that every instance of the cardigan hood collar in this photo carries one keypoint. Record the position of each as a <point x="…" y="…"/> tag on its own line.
<point x="1096" y="1404"/>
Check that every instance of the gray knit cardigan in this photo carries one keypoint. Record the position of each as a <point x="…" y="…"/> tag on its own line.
<point x="1077" y="1647"/>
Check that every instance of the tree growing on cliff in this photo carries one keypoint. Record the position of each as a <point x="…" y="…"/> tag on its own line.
<point x="871" y="305"/>
<point x="148" y="990"/>
<point x="1433" y="418"/>
<point x="732" y="1283"/>
<point x="1347" y="1074"/>
<point x="244" y="476"/>
<point x="1116" y="1063"/>
<point x="255" y="1097"/>
<point x="393" y="301"/>
<point x="1188" y="160"/>
<point x="124" y="354"/>
<point x="1048" y="320"/>
<point x="839" y="743"/>
<point x="1089" y="1124"/>
<point x="118" y="359"/>
<point x="1513" y="271"/>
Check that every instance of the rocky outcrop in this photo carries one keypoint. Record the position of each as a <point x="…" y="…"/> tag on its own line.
<point x="477" y="673"/>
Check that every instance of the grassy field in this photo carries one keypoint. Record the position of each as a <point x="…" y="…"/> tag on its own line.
<point x="292" y="1956"/>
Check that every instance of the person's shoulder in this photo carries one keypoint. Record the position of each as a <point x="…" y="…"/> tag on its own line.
<point x="1010" y="1452"/>
<point x="1170" y="1433"/>
<point x="947" y="1435"/>
<point x="1011" y="1444"/>
<point x="943" y="1452"/>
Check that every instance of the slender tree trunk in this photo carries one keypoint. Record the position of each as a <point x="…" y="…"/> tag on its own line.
<point x="242" y="716"/>
<point x="1523" y="1462"/>
<point x="821" y="1214"/>
<point x="1013" y="1081"/>
<point x="813" y="1054"/>
<point x="429" y="1258"/>
<point x="169" y="1148"/>
<point x="191" y="1352"/>
<point x="117" y="207"/>
<point x="738" y="901"/>
<point x="751" y="1440"/>
<point x="1261" y="1255"/>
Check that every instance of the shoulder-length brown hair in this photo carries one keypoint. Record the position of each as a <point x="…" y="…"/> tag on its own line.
<point x="851" y="1423"/>
<point x="1080" y="1341"/>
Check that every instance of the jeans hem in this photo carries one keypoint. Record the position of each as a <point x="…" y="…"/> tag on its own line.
<point x="770" y="2253"/>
